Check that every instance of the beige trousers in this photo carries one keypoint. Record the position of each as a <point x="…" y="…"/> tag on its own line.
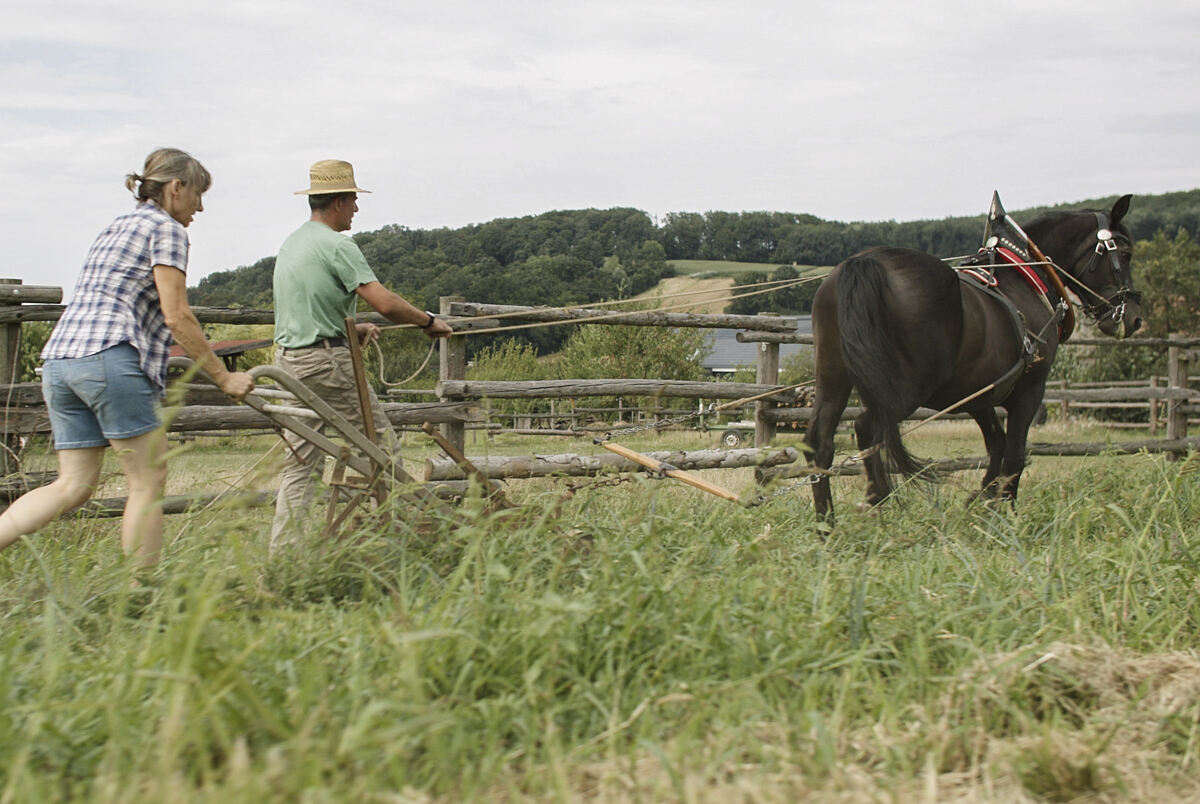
<point x="330" y="373"/>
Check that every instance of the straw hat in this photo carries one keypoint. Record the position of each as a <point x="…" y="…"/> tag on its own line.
<point x="331" y="176"/>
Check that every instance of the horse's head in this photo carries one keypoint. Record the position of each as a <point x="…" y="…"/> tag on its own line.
<point x="1094" y="249"/>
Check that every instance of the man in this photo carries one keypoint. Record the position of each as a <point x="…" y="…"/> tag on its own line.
<point x="319" y="276"/>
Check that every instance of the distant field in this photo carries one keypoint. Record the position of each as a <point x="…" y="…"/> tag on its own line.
<point x="724" y="268"/>
<point x="686" y="294"/>
<point x="704" y="286"/>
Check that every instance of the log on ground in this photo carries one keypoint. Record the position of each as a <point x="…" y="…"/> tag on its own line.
<point x="573" y="465"/>
<point x="571" y="389"/>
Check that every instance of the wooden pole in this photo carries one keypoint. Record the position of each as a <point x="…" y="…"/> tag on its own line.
<point x="641" y="318"/>
<point x="1177" y="377"/>
<point x="10" y="361"/>
<point x="452" y="365"/>
<point x="621" y="387"/>
<point x="670" y="471"/>
<point x="360" y="380"/>
<point x="767" y="374"/>
<point x="1154" y="408"/>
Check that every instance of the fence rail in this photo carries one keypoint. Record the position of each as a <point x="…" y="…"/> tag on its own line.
<point x="460" y="400"/>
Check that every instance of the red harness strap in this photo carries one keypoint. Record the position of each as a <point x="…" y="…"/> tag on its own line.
<point x="980" y="275"/>
<point x="1031" y="276"/>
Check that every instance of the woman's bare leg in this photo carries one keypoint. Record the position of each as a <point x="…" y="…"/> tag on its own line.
<point x="144" y="460"/>
<point x="78" y="474"/>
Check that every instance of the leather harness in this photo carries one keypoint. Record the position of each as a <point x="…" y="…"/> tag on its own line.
<point x="979" y="273"/>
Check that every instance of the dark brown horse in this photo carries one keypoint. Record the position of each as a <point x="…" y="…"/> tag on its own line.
<point x="906" y="330"/>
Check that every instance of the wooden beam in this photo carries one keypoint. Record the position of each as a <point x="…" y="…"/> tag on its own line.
<point x="640" y="318"/>
<point x="202" y="418"/>
<point x="567" y="389"/>
<point x="29" y="294"/>
<point x="671" y="471"/>
<point x="1075" y="450"/>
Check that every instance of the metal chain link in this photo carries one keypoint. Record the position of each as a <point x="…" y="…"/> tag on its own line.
<point x="657" y="425"/>
<point x="813" y="479"/>
<point x="763" y="499"/>
<point x="599" y="484"/>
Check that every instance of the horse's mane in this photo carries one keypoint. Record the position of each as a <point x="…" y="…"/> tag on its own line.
<point x="1058" y="215"/>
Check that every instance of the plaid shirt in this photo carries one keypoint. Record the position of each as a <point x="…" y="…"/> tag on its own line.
<point x="116" y="300"/>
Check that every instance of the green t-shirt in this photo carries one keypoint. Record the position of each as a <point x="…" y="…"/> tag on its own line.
<point x="316" y="274"/>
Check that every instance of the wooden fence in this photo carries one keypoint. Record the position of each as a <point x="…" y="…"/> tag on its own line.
<point x="460" y="402"/>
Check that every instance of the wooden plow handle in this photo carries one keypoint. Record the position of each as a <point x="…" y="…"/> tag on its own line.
<point x="669" y="471"/>
<point x="360" y="379"/>
<point x="368" y="452"/>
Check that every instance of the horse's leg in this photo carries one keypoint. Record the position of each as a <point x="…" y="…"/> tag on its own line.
<point x="830" y="401"/>
<point x="1022" y="407"/>
<point x="879" y="485"/>
<point x="993" y="440"/>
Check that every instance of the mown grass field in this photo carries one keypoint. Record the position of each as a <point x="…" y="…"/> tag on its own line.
<point x="733" y="269"/>
<point x="645" y="643"/>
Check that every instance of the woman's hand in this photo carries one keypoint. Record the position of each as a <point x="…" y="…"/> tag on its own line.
<point x="236" y="384"/>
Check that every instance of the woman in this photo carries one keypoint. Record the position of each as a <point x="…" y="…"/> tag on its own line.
<point x="106" y="361"/>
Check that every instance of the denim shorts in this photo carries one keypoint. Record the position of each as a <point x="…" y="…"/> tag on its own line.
<point x="100" y="397"/>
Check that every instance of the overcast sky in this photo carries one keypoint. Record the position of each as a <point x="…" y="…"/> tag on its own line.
<point x="461" y="112"/>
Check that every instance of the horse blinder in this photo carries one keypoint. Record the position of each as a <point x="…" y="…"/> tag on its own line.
<point x="1112" y="306"/>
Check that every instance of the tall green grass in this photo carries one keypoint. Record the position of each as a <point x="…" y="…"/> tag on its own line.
<point x="647" y="643"/>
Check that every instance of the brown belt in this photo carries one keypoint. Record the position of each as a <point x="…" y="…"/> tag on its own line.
<point x="324" y="343"/>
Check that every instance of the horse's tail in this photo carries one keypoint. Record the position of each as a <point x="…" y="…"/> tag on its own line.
<point x="871" y="359"/>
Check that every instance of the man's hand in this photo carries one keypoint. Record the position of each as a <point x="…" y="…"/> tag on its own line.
<point x="367" y="333"/>
<point x="438" y="329"/>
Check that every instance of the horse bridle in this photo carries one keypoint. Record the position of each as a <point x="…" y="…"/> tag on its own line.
<point x="1106" y="245"/>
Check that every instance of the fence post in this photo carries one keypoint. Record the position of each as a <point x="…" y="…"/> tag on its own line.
<point x="1154" y="408"/>
<point x="767" y="374"/>
<point x="10" y="361"/>
<point x="452" y="365"/>
<point x="1177" y="377"/>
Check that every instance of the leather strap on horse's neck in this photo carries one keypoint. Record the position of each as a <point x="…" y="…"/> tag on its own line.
<point x="1003" y="386"/>
<point x="1068" y="321"/>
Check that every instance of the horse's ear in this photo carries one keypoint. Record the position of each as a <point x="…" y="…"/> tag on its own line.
<point x="1119" y="209"/>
